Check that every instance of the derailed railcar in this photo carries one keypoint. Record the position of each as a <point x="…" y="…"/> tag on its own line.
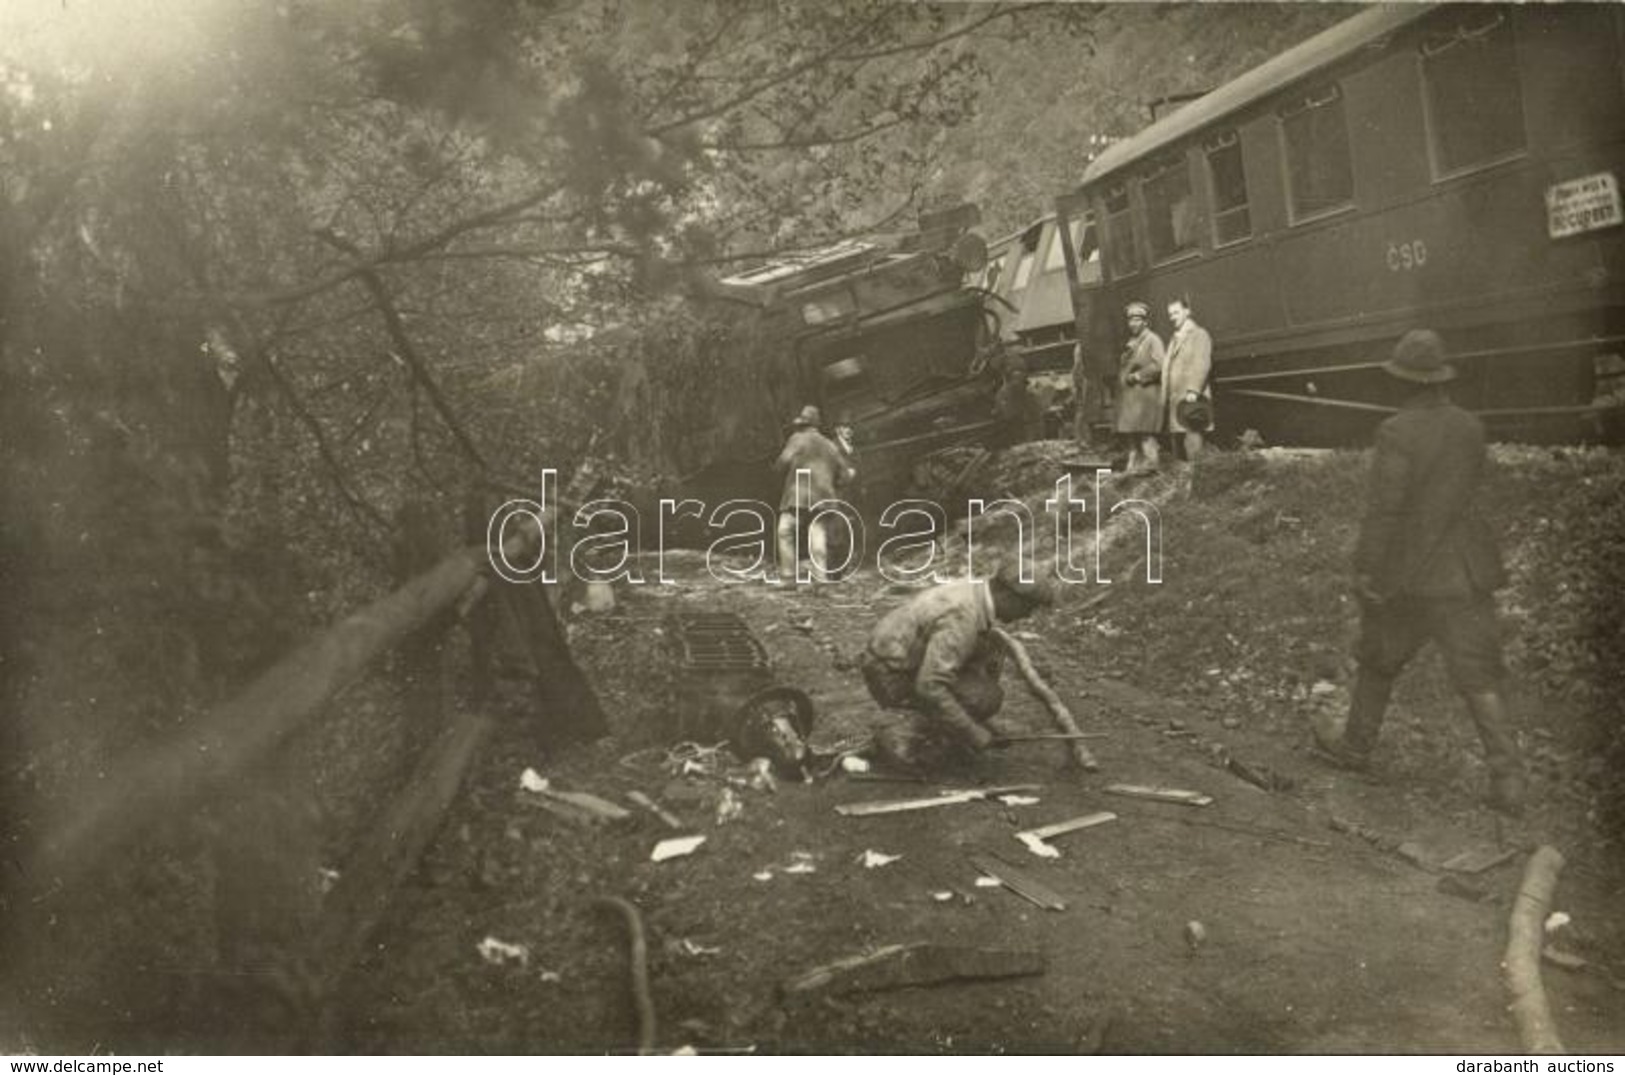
<point x="1454" y="166"/>
<point x="889" y="341"/>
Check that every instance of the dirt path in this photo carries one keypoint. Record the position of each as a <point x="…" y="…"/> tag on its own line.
<point x="1315" y="941"/>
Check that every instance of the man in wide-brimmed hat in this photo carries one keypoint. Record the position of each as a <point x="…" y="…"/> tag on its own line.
<point x="827" y="466"/>
<point x="936" y="656"/>
<point x="1426" y="567"/>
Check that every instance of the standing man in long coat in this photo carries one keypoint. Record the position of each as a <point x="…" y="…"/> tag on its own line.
<point x="1140" y="402"/>
<point x="1426" y="568"/>
<point x="1190" y="366"/>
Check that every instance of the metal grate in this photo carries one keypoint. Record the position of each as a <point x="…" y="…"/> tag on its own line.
<point x="717" y="641"/>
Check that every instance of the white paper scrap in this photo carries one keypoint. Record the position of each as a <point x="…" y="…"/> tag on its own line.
<point x="763" y="875"/>
<point x="985" y="881"/>
<point x="676" y="847"/>
<point x="1037" y="846"/>
<point x="498" y="953"/>
<point x="1019" y="800"/>
<point x="873" y="859"/>
<point x="531" y="780"/>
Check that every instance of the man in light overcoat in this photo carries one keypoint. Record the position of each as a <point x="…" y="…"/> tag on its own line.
<point x="1190" y="366"/>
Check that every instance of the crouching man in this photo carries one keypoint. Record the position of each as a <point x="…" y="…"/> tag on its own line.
<point x="936" y="656"/>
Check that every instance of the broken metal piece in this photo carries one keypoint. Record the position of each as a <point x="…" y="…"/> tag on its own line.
<point x="1164" y="795"/>
<point x="947" y="798"/>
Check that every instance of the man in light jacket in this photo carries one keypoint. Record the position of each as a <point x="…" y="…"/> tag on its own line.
<point x="1190" y="365"/>
<point x="937" y="656"/>
<point x="827" y="467"/>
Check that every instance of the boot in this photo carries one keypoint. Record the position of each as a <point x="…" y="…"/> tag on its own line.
<point x="1368" y="704"/>
<point x="1508" y="787"/>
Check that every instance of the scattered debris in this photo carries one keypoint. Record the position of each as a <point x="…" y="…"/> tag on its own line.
<point x="875" y="859"/>
<point x="1195" y="935"/>
<point x="676" y="847"/>
<point x="946" y="798"/>
<point x="578" y="806"/>
<point x="531" y="780"/>
<point x="763" y="875"/>
<point x="774" y="724"/>
<point x="984" y="881"/>
<point x="854" y="764"/>
<point x="945" y="896"/>
<point x="686" y="947"/>
<point x="803" y="864"/>
<point x="897" y="966"/>
<point x="760" y="776"/>
<point x="1479" y="859"/>
<point x="730" y="807"/>
<point x="1260" y="776"/>
<point x="1163" y="795"/>
<point x="1029" y="889"/>
<point x="501" y="953"/>
<point x="667" y="818"/>
<point x="1020" y="800"/>
<point x="1556" y="921"/>
<point x="1037" y="840"/>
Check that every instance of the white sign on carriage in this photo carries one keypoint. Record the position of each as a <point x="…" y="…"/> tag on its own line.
<point x="1582" y="205"/>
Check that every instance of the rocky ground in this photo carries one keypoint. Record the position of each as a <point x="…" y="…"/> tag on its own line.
<point x="1327" y="922"/>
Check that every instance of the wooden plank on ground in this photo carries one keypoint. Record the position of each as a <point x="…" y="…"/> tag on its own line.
<point x="1020" y="882"/>
<point x="898" y="965"/>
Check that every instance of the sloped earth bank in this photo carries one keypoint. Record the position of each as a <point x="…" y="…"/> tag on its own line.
<point x="1316" y="940"/>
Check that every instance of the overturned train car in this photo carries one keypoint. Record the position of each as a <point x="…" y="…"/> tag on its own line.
<point x="888" y="341"/>
<point x="1454" y="166"/>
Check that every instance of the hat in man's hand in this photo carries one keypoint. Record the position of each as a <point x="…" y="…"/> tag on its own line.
<point x="809" y="416"/>
<point x="1194" y="414"/>
<point x="1419" y="358"/>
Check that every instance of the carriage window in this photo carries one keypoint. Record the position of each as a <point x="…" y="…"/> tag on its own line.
<point x="1317" y="154"/>
<point x="1086" y="244"/>
<point x="1474" y="100"/>
<point x="1232" y="220"/>
<point x="1055" y="256"/>
<point x="1024" y="269"/>
<point x="1170" y="211"/>
<point x="1121" y="255"/>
